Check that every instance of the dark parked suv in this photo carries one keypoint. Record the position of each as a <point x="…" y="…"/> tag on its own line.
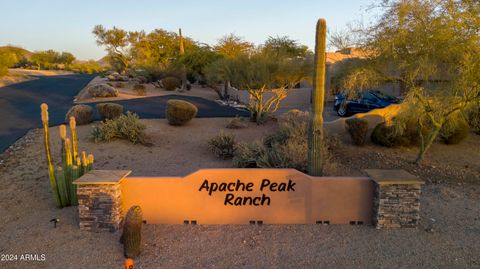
<point x="363" y="102"/>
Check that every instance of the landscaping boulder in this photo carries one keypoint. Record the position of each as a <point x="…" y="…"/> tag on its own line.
<point x="180" y="112"/>
<point x="83" y="114"/>
<point x="109" y="111"/>
<point x="102" y="90"/>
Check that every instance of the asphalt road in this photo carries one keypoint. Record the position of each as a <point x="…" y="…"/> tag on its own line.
<point x="20" y="105"/>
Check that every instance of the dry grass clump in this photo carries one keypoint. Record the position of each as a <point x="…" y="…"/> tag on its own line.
<point x="83" y="114"/>
<point x="236" y="123"/>
<point x="222" y="145"/>
<point x="109" y="111"/>
<point x="140" y="89"/>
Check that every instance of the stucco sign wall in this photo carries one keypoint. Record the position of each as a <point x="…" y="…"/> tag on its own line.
<point x="240" y="196"/>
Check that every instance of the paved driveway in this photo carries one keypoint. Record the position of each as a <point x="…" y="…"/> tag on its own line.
<point x="20" y="105"/>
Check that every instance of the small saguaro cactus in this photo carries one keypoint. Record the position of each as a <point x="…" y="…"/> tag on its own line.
<point x="132" y="232"/>
<point x="315" y="132"/>
<point x="51" y="168"/>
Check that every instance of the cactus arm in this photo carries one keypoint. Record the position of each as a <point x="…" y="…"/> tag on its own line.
<point x="73" y="128"/>
<point x="73" y="187"/>
<point x="315" y="135"/>
<point x="68" y="168"/>
<point x="62" y="186"/>
<point x="51" y="169"/>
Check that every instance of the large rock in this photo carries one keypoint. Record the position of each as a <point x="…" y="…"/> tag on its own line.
<point x="102" y="90"/>
<point x="83" y="114"/>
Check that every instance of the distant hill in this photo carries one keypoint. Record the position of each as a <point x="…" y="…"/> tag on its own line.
<point x="20" y="52"/>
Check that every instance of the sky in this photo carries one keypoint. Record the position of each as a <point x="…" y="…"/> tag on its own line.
<point x="64" y="25"/>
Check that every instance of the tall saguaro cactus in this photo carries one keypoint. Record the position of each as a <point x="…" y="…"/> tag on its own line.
<point x="315" y="134"/>
<point x="51" y="168"/>
<point x="182" y="52"/>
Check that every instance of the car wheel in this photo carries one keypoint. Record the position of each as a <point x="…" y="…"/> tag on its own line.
<point x="342" y="109"/>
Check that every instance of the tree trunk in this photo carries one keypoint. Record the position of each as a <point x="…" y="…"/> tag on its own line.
<point x="425" y="145"/>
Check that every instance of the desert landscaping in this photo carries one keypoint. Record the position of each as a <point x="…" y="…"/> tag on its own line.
<point x="360" y="150"/>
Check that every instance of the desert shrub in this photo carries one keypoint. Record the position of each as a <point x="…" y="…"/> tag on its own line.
<point x="472" y="115"/>
<point x="454" y="130"/>
<point x="180" y="112"/>
<point x="236" y="123"/>
<point x="124" y="127"/>
<point x="286" y="148"/>
<point x="118" y="85"/>
<point x="396" y="134"/>
<point x="383" y="135"/>
<point x="83" y="114"/>
<point x="247" y="154"/>
<point x="357" y="128"/>
<point x="140" y="89"/>
<point x="171" y="83"/>
<point x="222" y="145"/>
<point x="109" y="111"/>
<point x="102" y="90"/>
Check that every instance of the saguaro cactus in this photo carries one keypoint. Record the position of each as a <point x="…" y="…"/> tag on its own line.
<point x="315" y="134"/>
<point x="51" y="169"/>
<point x="132" y="232"/>
<point x="184" y="71"/>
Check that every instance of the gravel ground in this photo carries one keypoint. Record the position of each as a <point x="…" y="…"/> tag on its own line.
<point x="448" y="235"/>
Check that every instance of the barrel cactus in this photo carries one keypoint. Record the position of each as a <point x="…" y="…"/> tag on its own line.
<point x="315" y="133"/>
<point x="132" y="232"/>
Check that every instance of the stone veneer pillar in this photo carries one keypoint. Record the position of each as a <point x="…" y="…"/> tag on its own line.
<point x="396" y="202"/>
<point x="99" y="200"/>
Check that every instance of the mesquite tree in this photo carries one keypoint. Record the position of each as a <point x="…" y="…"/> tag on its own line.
<point x="315" y="133"/>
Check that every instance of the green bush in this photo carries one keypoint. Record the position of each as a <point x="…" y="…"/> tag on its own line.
<point x="357" y="128"/>
<point x="383" y="135"/>
<point x="473" y="117"/>
<point x="124" y="127"/>
<point x="392" y="136"/>
<point x="83" y="114"/>
<point x="109" y="111"/>
<point x="454" y="130"/>
<point x="222" y="145"/>
<point x="180" y="112"/>
<point x="140" y="89"/>
<point x="171" y="83"/>
<point x="102" y="90"/>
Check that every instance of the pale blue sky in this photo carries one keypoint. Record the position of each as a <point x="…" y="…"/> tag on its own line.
<point x="67" y="25"/>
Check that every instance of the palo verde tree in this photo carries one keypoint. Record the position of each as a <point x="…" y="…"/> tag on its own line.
<point x="118" y="43"/>
<point x="267" y="80"/>
<point x="432" y="49"/>
<point x="229" y="47"/>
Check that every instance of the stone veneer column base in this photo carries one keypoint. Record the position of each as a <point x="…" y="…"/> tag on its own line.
<point x="99" y="200"/>
<point x="396" y="201"/>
